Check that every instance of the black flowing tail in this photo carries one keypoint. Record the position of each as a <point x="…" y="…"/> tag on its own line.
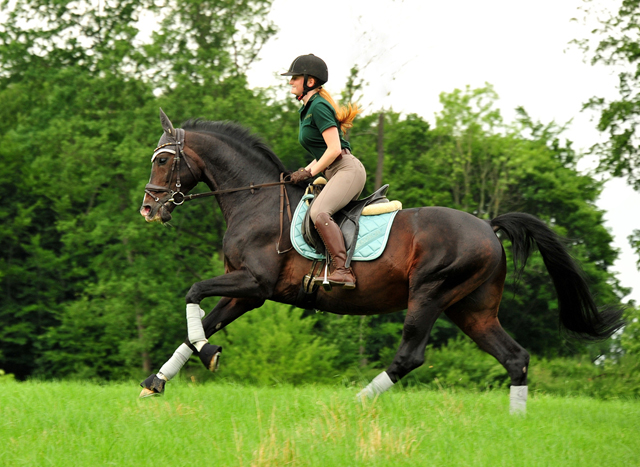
<point x="578" y="312"/>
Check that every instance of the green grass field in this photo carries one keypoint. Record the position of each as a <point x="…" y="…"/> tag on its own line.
<point x="76" y="424"/>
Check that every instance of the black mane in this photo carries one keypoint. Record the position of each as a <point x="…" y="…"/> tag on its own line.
<point x="235" y="135"/>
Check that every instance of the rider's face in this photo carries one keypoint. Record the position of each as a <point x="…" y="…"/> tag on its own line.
<point x="297" y="85"/>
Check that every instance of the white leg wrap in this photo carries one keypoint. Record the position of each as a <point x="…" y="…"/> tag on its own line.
<point x="175" y="363"/>
<point x="195" y="331"/>
<point x="378" y="385"/>
<point x="518" y="399"/>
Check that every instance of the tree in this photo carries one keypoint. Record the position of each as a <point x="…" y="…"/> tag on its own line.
<point x="69" y="102"/>
<point x="205" y="42"/>
<point x="475" y="162"/>
<point x="615" y="42"/>
<point x="82" y="293"/>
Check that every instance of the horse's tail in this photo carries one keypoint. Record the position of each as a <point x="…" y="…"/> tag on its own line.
<point x="578" y="312"/>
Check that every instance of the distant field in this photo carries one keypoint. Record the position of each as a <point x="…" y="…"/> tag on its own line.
<point x="76" y="424"/>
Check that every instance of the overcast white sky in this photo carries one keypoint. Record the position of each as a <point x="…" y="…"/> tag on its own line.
<point x="415" y="49"/>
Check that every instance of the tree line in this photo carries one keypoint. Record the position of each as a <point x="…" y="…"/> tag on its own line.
<point x="89" y="290"/>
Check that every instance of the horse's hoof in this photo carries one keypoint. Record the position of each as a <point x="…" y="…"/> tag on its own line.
<point x="152" y="386"/>
<point x="148" y="393"/>
<point x="210" y="356"/>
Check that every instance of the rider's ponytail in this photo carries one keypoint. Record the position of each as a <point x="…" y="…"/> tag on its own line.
<point x="345" y="115"/>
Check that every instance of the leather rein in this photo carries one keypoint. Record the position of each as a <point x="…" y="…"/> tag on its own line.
<point x="178" y="198"/>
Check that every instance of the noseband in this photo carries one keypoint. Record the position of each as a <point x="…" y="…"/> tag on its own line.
<point x="175" y="197"/>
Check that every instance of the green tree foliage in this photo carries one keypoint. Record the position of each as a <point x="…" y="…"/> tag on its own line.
<point x="204" y="42"/>
<point x="615" y="42"/>
<point x="630" y="338"/>
<point x="88" y="288"/>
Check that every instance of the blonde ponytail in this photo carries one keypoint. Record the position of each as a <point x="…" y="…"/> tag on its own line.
<point x="345" y="115"/>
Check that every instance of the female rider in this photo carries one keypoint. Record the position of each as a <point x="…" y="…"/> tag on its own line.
<point x="322" y="127"/>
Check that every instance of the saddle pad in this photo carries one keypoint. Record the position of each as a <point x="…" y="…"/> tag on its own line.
<point x="373" y="234"/>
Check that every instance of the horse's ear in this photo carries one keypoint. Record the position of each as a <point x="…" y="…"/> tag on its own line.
<point x="167" y="126"/>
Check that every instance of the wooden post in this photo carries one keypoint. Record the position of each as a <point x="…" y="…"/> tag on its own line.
<point x="380" y="164"/>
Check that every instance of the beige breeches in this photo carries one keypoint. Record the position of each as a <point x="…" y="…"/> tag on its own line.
<point x="346" y="178"/>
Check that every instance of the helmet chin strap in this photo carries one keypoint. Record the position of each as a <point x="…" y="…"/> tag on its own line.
<point x="306" y="89"/>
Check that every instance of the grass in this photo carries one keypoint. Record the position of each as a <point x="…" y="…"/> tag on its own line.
<point x="82" y="424"/>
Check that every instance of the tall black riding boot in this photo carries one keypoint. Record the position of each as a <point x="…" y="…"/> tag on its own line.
<point x="334" y="242"/>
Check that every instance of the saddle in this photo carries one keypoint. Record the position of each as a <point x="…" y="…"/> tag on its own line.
<point x="348" y="219"/>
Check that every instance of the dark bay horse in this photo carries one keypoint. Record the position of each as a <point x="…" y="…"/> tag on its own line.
<point x="437" y="259"/>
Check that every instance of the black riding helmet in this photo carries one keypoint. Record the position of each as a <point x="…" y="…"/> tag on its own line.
<point x="309" y="65"/>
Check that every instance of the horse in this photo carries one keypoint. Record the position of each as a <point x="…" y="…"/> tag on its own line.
<point x="438" y="260"/>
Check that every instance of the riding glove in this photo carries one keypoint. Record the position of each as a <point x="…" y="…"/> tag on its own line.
<point x="300" y="175"/>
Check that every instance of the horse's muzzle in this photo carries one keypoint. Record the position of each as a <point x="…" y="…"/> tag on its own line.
<point x="157" y="214"/>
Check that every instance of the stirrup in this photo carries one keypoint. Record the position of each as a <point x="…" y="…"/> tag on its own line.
<point x="322" y="279"/>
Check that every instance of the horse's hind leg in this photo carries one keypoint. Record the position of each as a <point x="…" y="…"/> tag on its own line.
<point x="477" y="316"/>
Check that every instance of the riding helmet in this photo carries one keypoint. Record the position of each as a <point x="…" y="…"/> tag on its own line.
<point x="309" y="65"/>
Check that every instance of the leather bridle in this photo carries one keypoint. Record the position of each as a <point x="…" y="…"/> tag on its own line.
<point x="175" y="197"/>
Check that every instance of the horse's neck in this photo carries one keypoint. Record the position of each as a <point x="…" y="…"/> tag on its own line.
<point x="229" y="169"/>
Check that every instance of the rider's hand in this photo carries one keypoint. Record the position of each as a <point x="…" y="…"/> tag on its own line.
<point x="300" y="175"/>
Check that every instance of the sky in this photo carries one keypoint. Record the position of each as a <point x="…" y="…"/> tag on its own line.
<point x="411" y="51"/>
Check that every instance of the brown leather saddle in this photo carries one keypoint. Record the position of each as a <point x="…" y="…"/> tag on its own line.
<point x="348" y="219"/>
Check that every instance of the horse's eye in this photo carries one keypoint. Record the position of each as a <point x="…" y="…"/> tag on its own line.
<point x="162" y="160"/>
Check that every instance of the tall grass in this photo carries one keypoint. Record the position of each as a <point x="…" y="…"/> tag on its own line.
<point x="75" y="424"/>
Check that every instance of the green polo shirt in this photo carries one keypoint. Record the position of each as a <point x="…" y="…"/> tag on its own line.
<point x="315" y="117"/>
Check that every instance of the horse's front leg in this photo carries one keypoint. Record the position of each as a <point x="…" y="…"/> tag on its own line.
<point x="227" y="310"/>
<point x="240" y="284"/>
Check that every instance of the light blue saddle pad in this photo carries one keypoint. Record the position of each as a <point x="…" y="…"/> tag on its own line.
<point x="372" y="234"/>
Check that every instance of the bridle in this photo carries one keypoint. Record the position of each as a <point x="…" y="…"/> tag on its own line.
<point x="178" y="198"/>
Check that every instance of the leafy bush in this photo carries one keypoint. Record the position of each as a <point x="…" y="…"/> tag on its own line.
<point x="581" y="377"/>
<point x="630" y="338"/>
<point x="6" y="377"/>
<point x="275" y="345"/>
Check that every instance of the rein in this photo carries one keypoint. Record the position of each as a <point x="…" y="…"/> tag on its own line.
<point x="251" y="187"/>
<point x="178" y="198"/>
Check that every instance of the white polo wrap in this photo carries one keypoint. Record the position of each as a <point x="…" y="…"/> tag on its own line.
<point x="195" y="331"/>
<point x="175" y="363"/>
<point x="378" y="385"/>
<point x="518" y="399"/>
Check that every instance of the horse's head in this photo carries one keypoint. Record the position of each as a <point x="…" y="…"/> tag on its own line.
<point x="172" y="175"/>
